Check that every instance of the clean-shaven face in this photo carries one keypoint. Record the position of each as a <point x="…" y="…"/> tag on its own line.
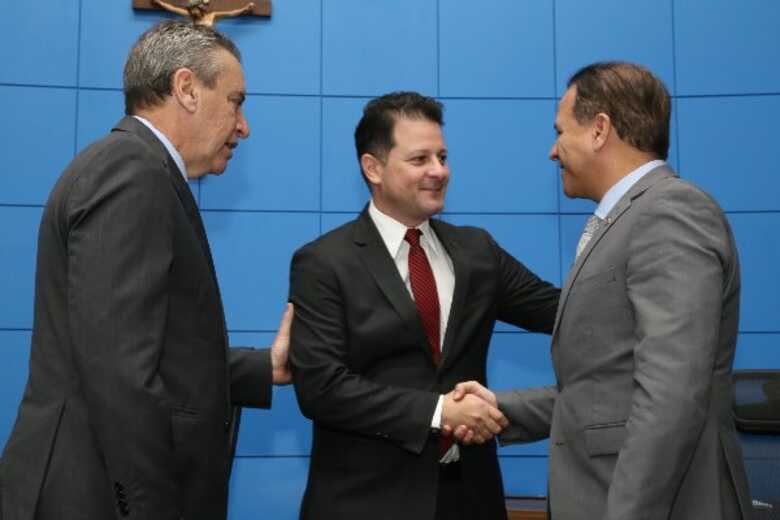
<point x="414" y="176"/>
<point x="572" y="148"/>
<point x="221" y="119"/>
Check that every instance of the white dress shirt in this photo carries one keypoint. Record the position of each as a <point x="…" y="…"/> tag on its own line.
<point x="167" y="144"/>
<point x="392" y="233"/>
<point x="614" y="194"/>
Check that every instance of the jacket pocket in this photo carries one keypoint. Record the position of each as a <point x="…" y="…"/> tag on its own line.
<point x="605" y="439"/>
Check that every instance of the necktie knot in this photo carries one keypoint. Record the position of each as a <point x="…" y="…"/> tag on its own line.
<point x="413" y="237"/>
<point x="591" y="226"/>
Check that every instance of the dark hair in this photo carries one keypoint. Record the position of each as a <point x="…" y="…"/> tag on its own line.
<point x="636" y="102"/>
<point x="164" y="49"/>
<point x="374" y="132"/>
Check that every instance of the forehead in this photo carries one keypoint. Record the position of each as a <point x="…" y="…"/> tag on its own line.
<point x="231" y="76"/>
<point x="566" y="104"/>
<point x="417" y="133"/>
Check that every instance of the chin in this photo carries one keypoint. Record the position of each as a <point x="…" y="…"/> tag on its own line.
<point x="218" y="169"/>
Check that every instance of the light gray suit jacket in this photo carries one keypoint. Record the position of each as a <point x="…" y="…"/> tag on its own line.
<point x="640" y="420"/>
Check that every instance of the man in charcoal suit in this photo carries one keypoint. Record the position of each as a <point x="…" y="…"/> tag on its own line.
<point x="127" y="408"/>
<point x="392" y="309"/>
<point x="640" y="420"/>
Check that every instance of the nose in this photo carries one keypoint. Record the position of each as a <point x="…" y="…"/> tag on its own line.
<point x="439" y="168"/>
<point x="242" y="126"/>
<point x="553" y="155"/>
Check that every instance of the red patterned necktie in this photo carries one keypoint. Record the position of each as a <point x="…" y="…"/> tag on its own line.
<point x="426" y="297"/>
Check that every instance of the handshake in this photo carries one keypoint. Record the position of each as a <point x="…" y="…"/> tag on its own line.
<point x="470" y="413"/>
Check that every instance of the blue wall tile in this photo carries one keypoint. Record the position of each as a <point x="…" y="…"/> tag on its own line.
<point x="252" y="254"/>
<point x="758" y="351"/>
<point x="759" y="253"/>
<point x="343" y="187"/>
<point x="498" y="156"/>
<point x="39" y="43"/>
<point x="14" y="356"/>
<point x="518" y="361"/>
<point x="727" y="153"/>
<point x="32" y="116"/>
<point x="280" y="54"/>
<point x="727" y="47"/>
<point x="333" y="220"/>
<point x="503" y="48"/>
<point x="370" y="48"/>
<point x="267" y="488"/>
<point x="638" y="31"/>
<point x="108" y="30"/>
<point x="278" y="166"/>
<point x="280" y="431"/>
<point x="532" y="239"/>
<point x="17" y="256"/>
<point x="524" y="476"/>
<point x="99" y="111"/>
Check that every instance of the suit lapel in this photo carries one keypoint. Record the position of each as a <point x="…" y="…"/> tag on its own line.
<point x="134" y="126"/>
<point x="449" y="240"/>
<point x="373" y="252"/>
<point x="617" y="211"/>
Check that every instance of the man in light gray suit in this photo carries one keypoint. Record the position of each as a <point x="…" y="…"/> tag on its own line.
<point x="640" y="421"/>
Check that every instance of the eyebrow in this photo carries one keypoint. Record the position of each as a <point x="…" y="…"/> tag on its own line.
<point x="425" y="151"/>
<point x="240" y="97"/>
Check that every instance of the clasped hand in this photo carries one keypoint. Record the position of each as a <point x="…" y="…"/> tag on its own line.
<point x="470" y="413"/>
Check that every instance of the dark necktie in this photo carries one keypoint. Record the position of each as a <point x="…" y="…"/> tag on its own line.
<point x="426" y="297"/>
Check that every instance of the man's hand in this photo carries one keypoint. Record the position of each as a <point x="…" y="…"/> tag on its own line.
<point x="280" y="348"/>
<point x="473" y="387"/>
<point x="462" y="432"/>
<point x="477" y="420"/>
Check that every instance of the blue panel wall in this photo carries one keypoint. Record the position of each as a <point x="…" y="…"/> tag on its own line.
<point x="497" y="65"/>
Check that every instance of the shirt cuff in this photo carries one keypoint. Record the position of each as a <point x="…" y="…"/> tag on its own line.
<point x="436" y="421"/>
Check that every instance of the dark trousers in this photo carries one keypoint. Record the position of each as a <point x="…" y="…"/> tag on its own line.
<point x="449" y="504"/>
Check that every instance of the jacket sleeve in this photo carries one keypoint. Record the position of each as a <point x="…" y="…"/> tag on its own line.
<point x="251" y="383"/>
<point x="328" y="390"/>
<point x="118" y="228"/>
<point x="529" y="413"/>
<point x="525" y="300"/>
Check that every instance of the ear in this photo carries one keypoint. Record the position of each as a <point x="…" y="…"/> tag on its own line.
<point x="184" y="88"/>
<point x="373" y="168"/>
<point x="601" y="130"/>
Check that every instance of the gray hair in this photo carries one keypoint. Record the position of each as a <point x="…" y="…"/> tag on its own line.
<point x="164" y="49"/>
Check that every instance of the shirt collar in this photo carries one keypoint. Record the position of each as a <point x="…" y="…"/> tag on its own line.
<point x="393" y="232"/>
<point x="616" y="192"/>
<point x="167" y="144"/>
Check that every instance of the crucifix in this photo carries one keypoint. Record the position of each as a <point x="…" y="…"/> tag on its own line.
<point x="207" y="12"/>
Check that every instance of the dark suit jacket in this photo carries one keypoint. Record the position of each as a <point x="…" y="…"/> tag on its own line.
<point x="640" y="422"/>
<point x="127" y="407"/>
<point x="363" y="370"/>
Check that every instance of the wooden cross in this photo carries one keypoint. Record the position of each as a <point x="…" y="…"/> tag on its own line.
<point x="210" y="10"/>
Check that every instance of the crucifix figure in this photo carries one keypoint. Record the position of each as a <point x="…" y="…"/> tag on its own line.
<point x="198" y="11"/>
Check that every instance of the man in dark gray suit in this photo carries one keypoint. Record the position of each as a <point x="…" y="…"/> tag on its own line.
<point x="640" y="421"/>
<point x="127" y="408"/>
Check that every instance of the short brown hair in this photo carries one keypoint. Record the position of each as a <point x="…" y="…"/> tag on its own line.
<point x="635" y="100"/>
